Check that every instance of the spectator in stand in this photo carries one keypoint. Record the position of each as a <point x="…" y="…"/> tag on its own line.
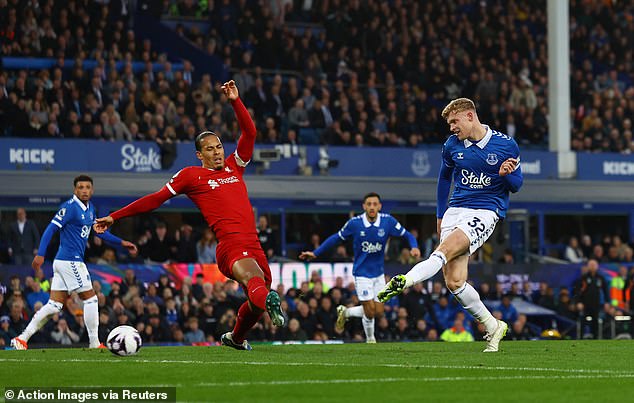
<point x="158" y="246"/>
<point x="186" y="251"/>
<point x="194" y="334"/>
<point x="586" y="246"/>
<point x="457" y="332"/>
<point x="206" y="247"/>
<point x="24" y="238"/>
<point x="509" y="312"/>
<point x="268" y="237"/>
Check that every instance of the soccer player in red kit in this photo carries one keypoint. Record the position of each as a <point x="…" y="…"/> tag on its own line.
<point x="218" y="189"/>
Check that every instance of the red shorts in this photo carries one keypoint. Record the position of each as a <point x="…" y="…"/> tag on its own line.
<point x="228" y="253"/>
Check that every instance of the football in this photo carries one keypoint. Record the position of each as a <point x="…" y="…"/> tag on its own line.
<point x="124" y="340"/>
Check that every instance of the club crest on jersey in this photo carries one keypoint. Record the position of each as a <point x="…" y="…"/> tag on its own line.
<point x="492" y="159"/>
<point x="229" y="170"/>
<point x="362" y="233"/>
<point x="460" y="156"/>
<point x="213" y="184"/>
<point x="381" y="232"/>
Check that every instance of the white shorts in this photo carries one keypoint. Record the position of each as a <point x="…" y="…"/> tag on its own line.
<point x="70" y="276"/>
<point x="478" y="225"/>
<point x="368" y="288"/>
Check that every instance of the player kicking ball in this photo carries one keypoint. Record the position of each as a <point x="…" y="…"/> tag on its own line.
<point x="485" y="166"/>
<point x="74" y="221"/>
<point x="369" y="232"/>
<point x="218" y="189"/>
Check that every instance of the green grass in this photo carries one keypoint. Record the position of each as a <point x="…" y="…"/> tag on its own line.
<point x="542" y="371"/>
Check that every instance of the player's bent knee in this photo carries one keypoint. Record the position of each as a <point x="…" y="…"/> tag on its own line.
<point x="454" y="285"/>
<point x="55" y="304"/>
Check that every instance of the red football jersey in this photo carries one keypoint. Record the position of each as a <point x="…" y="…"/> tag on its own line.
<point x="221" y="197"/>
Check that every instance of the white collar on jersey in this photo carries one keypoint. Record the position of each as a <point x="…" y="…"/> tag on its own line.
<point x="482" y="143"/>
<point x="81" y="203"/>
<point x="368" y="224"/>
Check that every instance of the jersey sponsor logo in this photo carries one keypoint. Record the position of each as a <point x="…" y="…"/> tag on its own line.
<point x="492" y="159"/>
<point x="134" y="159"/>
<point x="31" y="156"/>
<point x="420" y="163"/>
<point x="231" y="179"/>
<point x="85" y="231"/>
<point x="214" y="183"/>
<point x="474" y="182"/>
<point x="369" y="247"/>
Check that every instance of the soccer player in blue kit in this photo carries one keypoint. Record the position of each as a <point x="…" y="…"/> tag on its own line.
<point x="369" y="232"/>
<point x="74" y="220"/>
<point x="485" y="166"/>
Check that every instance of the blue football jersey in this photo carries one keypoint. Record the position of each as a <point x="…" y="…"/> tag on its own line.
<point x="476" y="166"/>
<point x="74" y="220"/>
<point x="369" y="240"/>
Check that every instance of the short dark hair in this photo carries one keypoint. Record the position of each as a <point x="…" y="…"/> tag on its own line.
<point x="201" y="136"/>
<point x="371" y="194"/>
<point x="82" y="178"/>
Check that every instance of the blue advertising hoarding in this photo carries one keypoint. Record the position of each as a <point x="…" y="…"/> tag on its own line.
<point x="145" y="157"/>
<point x="605" y="166"/>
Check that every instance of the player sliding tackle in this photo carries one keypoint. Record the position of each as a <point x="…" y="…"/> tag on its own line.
<point x="218" y="189"/>
<point x="485" y="165"/>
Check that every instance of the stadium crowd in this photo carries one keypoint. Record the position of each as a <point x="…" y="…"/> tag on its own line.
<point x="354" y="73"/>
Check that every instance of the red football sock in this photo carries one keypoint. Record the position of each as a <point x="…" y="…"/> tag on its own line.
<point x="257" y="292"/>
<point x="244" y="322"/>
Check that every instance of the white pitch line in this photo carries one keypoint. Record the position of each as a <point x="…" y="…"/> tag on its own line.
<point x="415" y="380"/>
<point x="330" y="364"/>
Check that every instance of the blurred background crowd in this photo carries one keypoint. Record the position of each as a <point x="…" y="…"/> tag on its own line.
<point x="359" y="73"/>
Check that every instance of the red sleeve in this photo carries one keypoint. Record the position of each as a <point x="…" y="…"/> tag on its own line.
<point x="247" y="138"/>
<point x="144" y="204"/>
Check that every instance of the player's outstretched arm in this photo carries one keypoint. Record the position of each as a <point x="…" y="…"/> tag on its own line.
<point x="247" y="127"/>
<point x="102" y="224"/>
<point x="307" y="255"/>
<point x="143" y="205"/>
<point x="38" y="260"/>
<point x="231" y="90"/>
<point x="132" y="249"/>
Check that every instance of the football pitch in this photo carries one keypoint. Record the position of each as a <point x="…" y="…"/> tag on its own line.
<point x="533" y="371"/>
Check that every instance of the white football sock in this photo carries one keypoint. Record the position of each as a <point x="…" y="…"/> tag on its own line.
<point x="40" y="318"/>
<point x="91" y="319"/>
<point x="368" y="327"/>
<point x="355" y="312"/>
<point x="470" y="300"/>
<point x="426" y="269"/>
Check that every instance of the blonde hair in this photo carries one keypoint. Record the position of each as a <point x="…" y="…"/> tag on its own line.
<point x="458" y="105"/>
